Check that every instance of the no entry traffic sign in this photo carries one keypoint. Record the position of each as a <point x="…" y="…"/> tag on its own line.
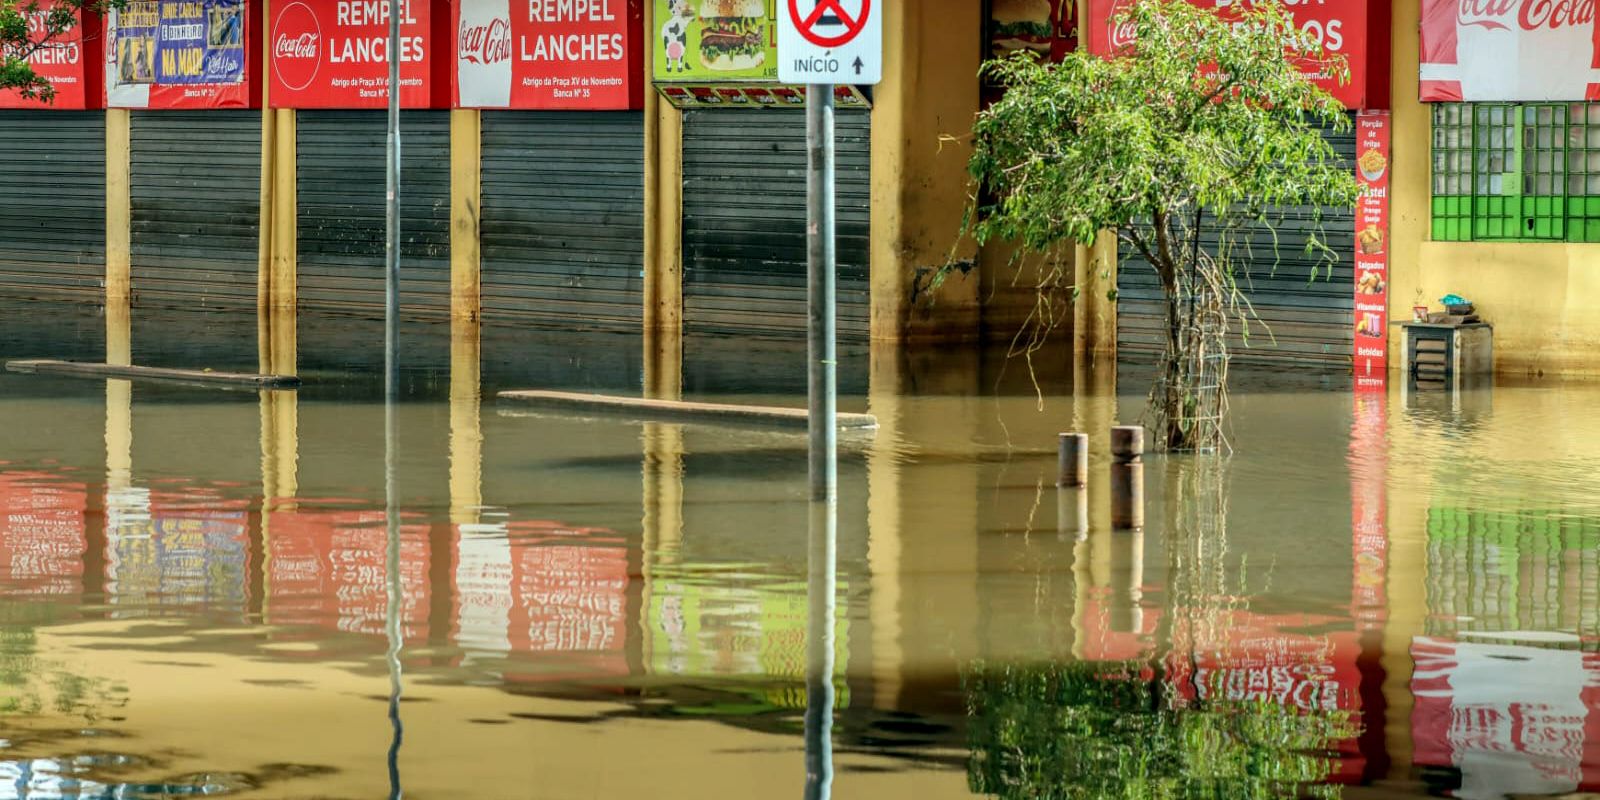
<point x="830" y="41"/>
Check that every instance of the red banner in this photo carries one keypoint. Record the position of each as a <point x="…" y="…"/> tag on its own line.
<point x="1372" y="249"/>
<point x="179" y="54"/>
<point x="548" y="55"/>
<point x="1509" y="50"/>
<point x="72" y="69"/>
<point x="335" y="54"/>
<point x="1341" y="26"/>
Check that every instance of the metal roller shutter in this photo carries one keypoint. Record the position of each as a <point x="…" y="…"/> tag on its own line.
<point x="562" y="223"/>
<point x="53" y="203"/>
<point x="1310" y="321"/>
<point x="744" y="222"/>
<point x="341" y="189"/>
<point x="196" y="198"/>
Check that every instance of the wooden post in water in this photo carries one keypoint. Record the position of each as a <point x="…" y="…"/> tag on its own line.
<point x="1127" y="477"/>
<point x="1073" y="461"/>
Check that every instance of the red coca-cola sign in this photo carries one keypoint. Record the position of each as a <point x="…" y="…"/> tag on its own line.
<point x="296" y="39"/>
<point x="485" y="44"/>
<point x="1509" y="51"/>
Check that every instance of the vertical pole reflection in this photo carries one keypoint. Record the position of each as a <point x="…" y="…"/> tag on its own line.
<point x="821" y="585"/>
<point x="392" y="603"/>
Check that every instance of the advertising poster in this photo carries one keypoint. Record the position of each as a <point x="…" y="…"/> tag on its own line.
<point x="1372" y="250"/>
<point x="1339" y="25"/>
<point x="1509" y="51"/>
<point x="701" y="41"/>
<point x="177" y="54"/>
<point x="538" y="54"/>
<point x="65" y="62"/>
<point x="1046" y="27"/>
<point x="335" y="54"/>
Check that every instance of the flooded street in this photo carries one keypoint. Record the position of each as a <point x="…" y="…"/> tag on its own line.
<point x="1373" y="597"/>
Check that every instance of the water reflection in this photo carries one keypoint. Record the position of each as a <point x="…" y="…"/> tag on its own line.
<point x="199" y="590"/>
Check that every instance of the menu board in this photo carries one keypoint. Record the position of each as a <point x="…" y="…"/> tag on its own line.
<point x="700" y="41"/>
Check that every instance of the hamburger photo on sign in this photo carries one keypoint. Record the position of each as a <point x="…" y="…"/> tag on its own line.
<point x="1021" y="25"/>
<point x="733" y="34"/>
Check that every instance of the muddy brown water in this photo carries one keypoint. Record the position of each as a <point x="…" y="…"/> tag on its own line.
<point x="1386" y="596"/>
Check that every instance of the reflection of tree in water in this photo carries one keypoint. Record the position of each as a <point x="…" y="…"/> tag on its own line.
<point x="1145" y="730"/>
<point x="33" y="685"/>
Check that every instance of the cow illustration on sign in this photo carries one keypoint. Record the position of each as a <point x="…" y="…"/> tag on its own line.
<point x="675" y="36"/>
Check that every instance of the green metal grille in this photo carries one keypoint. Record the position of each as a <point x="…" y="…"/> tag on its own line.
<point x="1516" y="172"/>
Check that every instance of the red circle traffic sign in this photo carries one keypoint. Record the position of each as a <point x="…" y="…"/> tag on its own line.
<point x="807" y="25"/>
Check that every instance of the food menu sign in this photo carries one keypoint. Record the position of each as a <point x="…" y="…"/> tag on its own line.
<point x="177" y="54"/>
<point x="699" y="41"/>
<point x="335" y="53"/>
<point x="547" y="54"/>
<point x="1372" y="249"/>
<point x="1340" y="26"/>
<point x="1048" y="28"/>
<point x="64" y="61"/>
<point x="1509" y="50"/>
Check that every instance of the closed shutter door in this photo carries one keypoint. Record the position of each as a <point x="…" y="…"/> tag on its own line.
<point x="53" y="203"/>
<point x="744" y="222"/>
<point x="1301" y="320"/>
<point x="196" y="212"/>
<point x="341" y="188"/>
<point x="562" y="224"/>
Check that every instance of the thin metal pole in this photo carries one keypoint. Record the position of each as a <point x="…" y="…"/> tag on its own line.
<point x="391" y="397"/>
<point x="821" y="599"/>
<point x="821" y="271"/>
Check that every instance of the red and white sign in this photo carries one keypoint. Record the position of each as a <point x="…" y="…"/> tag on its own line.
<point x="1509" y="50"/>
<point x="830" y="41"/>
<point x="1372" y="249"/>
<point x="540" y="54"/>
<point x="335" y="53"/>
<point x="1341" y="26"/>
<point x="64" y="62"/>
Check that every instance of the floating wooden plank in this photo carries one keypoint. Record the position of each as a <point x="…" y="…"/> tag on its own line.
<point x="194" y="376"/>
<point x="680" y="411"/>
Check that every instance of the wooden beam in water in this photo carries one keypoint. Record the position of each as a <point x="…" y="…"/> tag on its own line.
<point x="193" y="376"/>
<point x="680" y="411"/>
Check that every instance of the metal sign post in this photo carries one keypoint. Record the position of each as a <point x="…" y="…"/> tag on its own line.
<point x="391" y="398"/>
<point x="821" y="278"/>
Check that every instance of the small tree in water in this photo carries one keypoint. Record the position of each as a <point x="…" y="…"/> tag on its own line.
<point x="1198" y="115"/>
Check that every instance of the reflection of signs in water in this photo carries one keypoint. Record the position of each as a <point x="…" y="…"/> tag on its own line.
<point x="224" y="29"/>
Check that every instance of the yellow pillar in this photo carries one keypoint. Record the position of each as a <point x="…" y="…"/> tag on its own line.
<point x="1409" y="173"/>
<point x="919" y="180"/>
<point x="466" y="191"/>
<point x="264" y="206"/>
<point x="466" y="422"/>
<point x="119" y="209"/>
<point x="284" y="287"/>
<point x="1094" y="313"/>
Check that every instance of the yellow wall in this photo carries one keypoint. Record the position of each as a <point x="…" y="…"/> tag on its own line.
<point x="1541" y="298"/>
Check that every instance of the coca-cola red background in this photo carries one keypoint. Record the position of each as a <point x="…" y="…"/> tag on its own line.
<point x="509" y="54"/>
<point x="1344" y="27"/>
<point x="1509" y="50"/>
<point x="72" y="68"/>
<point x="334" y="54"/>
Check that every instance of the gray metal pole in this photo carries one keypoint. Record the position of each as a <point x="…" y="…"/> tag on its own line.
<point x="821" y="616"/>
<point x="391" y="397"/>
<point x="820" y="279"/>
<point x="391" y="249"/>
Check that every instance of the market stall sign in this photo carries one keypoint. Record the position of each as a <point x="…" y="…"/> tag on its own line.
<point x="1340" y="26"/>
<point x="335" y="54"/>
<point x="756" y="96"/>
<point x="1509" y="51"/>
<point x="178" y="54"/>
<point x="543" y="54"/>
<point x="702" y="41"/>
<point x="64" y="62"/>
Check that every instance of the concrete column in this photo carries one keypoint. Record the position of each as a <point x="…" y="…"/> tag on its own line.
<point x="466" y="191"/>
<point x="1095" y="312"/>
<point x="919" y="179"/>
<point x="284" y="288"/>
<point x="1410" y="189"/>
<point x="119" y="207"/>
<point x="466" y="422"/>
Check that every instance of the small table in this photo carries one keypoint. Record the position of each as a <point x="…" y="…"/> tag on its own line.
<point x="1443" y="353"/>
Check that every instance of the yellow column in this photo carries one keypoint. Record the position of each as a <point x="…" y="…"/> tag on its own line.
<point x="919" y="182"/>
<point x="1094" y="314"/>
<point x="466" y="422"/>
<point x="284" y="287"/>
<point x="1409" y="173"/>
<point x="119" y="209"/>
<point x="662" y="523"/>
<point x="466" y="191"/>
<point x="264" y="206"/>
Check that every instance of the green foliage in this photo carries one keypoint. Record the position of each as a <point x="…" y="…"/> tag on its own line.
<point x="1102" y="731"/>
<point x="25" y="29"/>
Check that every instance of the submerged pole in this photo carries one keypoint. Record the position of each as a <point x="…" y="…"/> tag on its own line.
<point x="821" y="256"/>
<point x="1072" y="460"/>
<point x="1127" y="477"/>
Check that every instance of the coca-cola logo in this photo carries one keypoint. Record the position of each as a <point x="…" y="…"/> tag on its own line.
<point x="296" y="46"/>
<point x="1121" y="30"/>
<point x="485" y="44"/>
<point x="1531" y="15"/>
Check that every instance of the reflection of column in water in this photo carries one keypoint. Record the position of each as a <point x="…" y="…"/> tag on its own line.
<point x="1127" y="579"/>
<point x="662" y="473"/>
<point x="1072" y="513"/>
<point x="821" y="588"/>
